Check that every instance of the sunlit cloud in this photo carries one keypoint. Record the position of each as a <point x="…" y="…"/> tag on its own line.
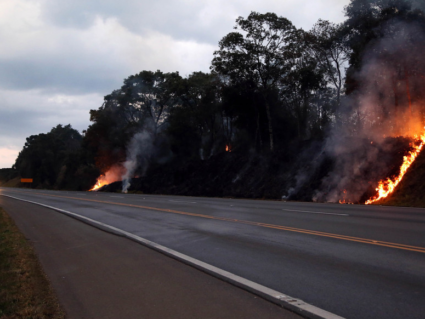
<point x="8" y="157"/>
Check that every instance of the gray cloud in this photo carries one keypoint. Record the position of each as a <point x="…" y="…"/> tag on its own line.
<point x="37" y="112"/>
<point x="55" y="76"/>
<point x="202" y="20"/>
<point x="60" y="57"/>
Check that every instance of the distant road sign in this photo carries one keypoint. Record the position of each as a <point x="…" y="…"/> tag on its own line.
<point x="26" y="180"/>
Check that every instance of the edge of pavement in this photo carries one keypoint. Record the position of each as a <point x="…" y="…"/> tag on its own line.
<point x="296" y="305"/>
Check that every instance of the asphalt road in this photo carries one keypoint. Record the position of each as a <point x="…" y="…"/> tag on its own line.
<point x="353" y="261"/>
<point x="98" y="275"/>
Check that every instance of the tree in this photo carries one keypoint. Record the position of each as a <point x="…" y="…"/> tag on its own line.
<point x="304" y="90"/>
<point x="364" y="21"/>
<point x="151" y="95"/>
<point x="44" y="157"/>
<point x="261" y="53"/>
<point x="143" y="103"/>
<point x="386" y="60"/>
<point x="202" y="97"/>
<point x="328" y="45"/>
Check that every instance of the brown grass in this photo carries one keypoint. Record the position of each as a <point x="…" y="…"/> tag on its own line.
<point x="25" y="291"/>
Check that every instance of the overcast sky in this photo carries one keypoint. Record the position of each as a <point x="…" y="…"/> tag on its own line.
<point x="60" y="57"/>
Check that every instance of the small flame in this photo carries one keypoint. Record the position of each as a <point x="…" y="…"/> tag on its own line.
<point x="99" y="183"/>
<point x="228" y="148"/>
<point x="387" y="186"/>
<point x="345" y="201"/>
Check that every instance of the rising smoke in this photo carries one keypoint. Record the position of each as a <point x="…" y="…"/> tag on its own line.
<point x="138" y="152"/>
<point x="385" y="111"/>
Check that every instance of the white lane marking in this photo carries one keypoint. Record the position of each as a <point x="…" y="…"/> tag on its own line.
<point x="181" y="201"/>
<point x="296" y="305"/>
<point x="117" y="196"/>
<point x="306" y="211"/>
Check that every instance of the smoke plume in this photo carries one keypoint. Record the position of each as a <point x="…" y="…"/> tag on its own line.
<point x="138" y="152"/>
<point x="384" y="112"/>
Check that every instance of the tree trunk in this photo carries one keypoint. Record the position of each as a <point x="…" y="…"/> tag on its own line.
<point x="406" y="74"/>
<point x="269" y="119"/>
<point x="258" y="138"/>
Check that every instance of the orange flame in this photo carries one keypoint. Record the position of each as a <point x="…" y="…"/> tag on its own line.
<point x="99" y="183"/>
<point x="386" y="187"/>
<point x="114" y="174"/>
<point x="228" y="148"/>
<point x="344" y="201"/>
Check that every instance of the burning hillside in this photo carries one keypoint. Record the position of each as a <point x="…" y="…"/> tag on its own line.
<point x="301" y="135"/>
<point x="112" y="175"/>
<point x="387" y="186"/>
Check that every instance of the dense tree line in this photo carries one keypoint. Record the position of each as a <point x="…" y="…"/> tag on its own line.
<point x="57" y="160"/>
<point x="270" y="86"/>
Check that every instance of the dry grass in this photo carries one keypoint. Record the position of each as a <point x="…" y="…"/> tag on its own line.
<point x="24" y="289"/>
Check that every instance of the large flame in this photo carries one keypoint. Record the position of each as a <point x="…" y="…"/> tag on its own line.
<point x="387" y="186"/>
<point x="99" y="183"/>
<point x="114" y="174"/>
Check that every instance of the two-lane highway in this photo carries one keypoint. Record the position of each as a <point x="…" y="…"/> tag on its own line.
<point x="354" y="261"/>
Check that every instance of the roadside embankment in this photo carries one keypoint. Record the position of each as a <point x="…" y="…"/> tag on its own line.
<point x="411" y="190"/>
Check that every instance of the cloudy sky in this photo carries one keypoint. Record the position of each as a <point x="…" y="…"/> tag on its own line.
<point x="60" y="57"/>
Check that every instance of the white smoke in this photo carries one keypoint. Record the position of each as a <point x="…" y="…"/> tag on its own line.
<point x="391" y="72"/>
<point x="138" y="152"/>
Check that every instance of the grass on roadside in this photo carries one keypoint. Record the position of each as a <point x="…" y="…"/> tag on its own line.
<point x="24" y="289"/>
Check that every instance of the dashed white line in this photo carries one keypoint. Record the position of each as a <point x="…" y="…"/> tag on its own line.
<point x="306" y="211"/>
<point x="181" y="201"/>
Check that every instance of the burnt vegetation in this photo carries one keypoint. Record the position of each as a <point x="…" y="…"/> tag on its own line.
<point x="283" y="113"/>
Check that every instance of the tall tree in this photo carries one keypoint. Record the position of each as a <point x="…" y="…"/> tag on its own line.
<point x="386" y="42"/>
<point x="259" y="54"/>
<point x="201" y="96"/>
<point x="151" y="95"/>
<point x="327" y="43"/>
